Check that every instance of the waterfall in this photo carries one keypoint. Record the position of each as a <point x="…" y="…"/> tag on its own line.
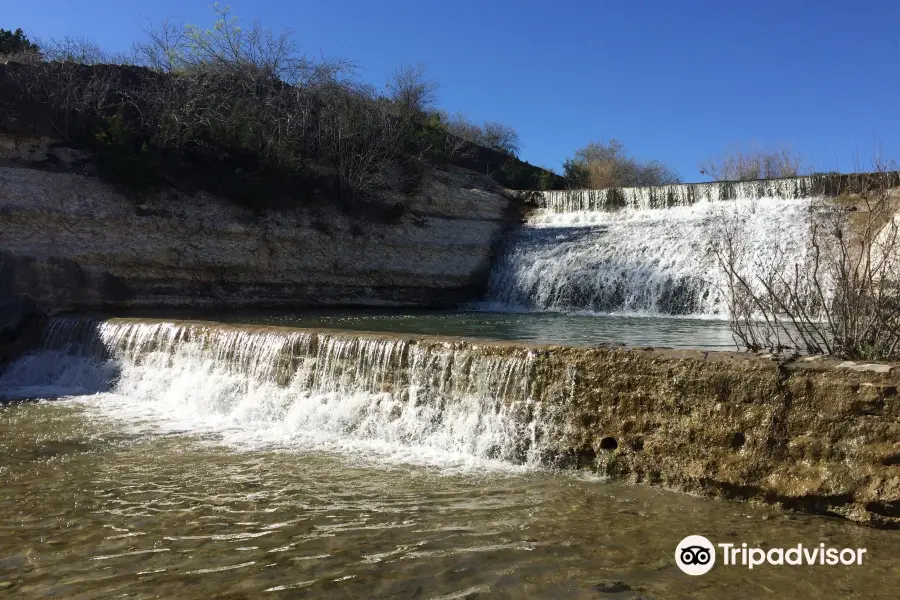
<point x="424" y="397"/>
<point x="685" y="194"/>
<point x="577" y="255"/>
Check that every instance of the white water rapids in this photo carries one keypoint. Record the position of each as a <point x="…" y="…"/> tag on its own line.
<point x="641" y="260"/>
<point x="437" y="403"/>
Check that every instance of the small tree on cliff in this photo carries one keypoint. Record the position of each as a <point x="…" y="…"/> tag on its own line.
<point x="79" y="50"/>
<point x="501" y="137"/>
<point x="490" y="134"/>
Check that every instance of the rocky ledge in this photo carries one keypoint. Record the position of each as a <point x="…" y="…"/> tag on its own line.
<point x="71" y="241"/>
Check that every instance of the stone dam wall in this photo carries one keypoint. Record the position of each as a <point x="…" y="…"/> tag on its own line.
<point x="814" y="435"/>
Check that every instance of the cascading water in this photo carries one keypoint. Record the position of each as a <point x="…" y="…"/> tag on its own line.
<point x="681" y="194"/>
<point x="425" y="400"/>
<point x="574" y="255"/>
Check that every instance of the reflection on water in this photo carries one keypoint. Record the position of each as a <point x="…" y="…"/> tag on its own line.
<point x="91" y="510"/>
<point x="551" y="328"/>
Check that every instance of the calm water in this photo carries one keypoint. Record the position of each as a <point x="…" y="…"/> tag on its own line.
<point x="552" y="328"/>
<point x="98" y="507"/>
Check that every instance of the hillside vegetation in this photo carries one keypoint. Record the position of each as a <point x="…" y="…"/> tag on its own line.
<point x="243" y="113"/>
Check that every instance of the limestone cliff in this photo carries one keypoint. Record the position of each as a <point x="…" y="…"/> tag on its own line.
<point x="70" y="240"/>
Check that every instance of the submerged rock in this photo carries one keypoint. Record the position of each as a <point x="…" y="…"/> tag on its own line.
<point x="612" y="587"/>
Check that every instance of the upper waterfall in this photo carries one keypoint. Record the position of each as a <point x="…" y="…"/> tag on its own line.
<point x="685" y="194"/>
<point x="682" y="194"/>
<point x="647" y="250"/>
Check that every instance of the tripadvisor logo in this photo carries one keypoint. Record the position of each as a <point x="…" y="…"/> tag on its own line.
<point x="696" y="555"/>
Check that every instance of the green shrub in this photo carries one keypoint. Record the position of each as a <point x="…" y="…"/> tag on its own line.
<point x="517" y="175"/>
<point x="547" y="180"/>
<point x="123" y="154"/>
<point x="16" y="42"/>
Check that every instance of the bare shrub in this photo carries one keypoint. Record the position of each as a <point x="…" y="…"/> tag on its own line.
<point x="754" y="163"/>
<point x="490" y="134"/>
<point x="409" y="88"/>
<point x="254" y="51"/>
<point x="25" y="57"/>
<point x="839" y="297"/>
<point x="72" y="95"/>
<point x="75" y="50"/>
<point x="501" y="137"/>
<point x="223" y="96"/>
<point x="165" y="47"/>
<point x="460" y="125"/>
<point x="606" y="165"/>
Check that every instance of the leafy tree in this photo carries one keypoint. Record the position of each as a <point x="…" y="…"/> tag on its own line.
<point x="15" y="42"/>
<point x="547" y="179"/>
<point x="575" y="173"/>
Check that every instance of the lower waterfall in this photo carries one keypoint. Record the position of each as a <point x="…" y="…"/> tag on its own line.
<point x="642" y="260"/>
<point x="433" y="401"/>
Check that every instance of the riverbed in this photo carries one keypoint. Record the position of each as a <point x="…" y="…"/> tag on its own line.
<point x="98" y="506"/>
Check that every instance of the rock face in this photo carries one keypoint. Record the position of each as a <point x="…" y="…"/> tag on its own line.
<point x="72" y="241"/>
<point x="20" y="325"/>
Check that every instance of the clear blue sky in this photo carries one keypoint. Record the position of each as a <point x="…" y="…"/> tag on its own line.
<point x="676" y="81"/>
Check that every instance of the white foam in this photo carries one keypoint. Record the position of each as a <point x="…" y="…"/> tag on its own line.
<point x="642" y="261"/>
<point x="675" y="195"/>
<point x="54" y="374"/>
<point x="450" y="406"/>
